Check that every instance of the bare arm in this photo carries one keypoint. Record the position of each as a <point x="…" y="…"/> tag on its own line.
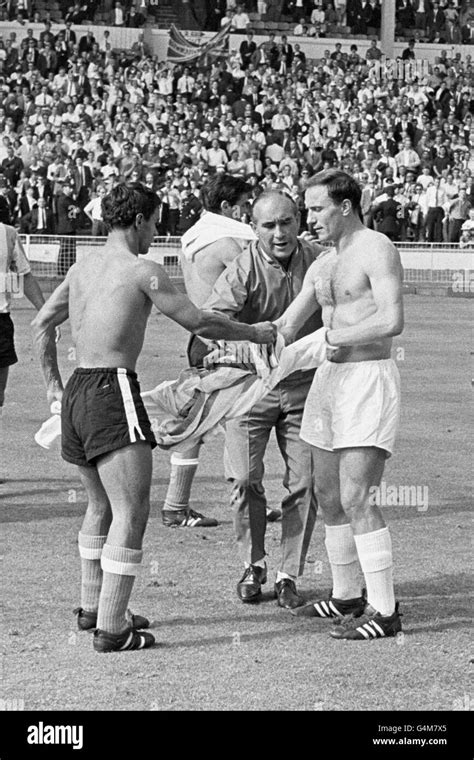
<point x="156" y="284"/>
<point x="385" y="274"/>
<point x="214" y="258"/>
<point x="301" y="309"/>
<point x="32" y="291"/>
<point x="53" y="313"/>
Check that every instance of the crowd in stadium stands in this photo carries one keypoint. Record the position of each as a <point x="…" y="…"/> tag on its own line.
<point x="75" y="117"/>
<point x="126" y="13"/>
<point x="446" y="21"/>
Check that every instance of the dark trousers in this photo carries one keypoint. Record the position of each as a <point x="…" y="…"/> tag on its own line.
<point x="173" y="219"/>
<point x="434" y="224"/>
<point x="455" y="230"/>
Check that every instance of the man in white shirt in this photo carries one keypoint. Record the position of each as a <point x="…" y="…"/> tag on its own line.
<point x="44" y="99"/>
<point x="425" y="179"/>
<point x="216" y="155"/>
<point x="317" y="16"/>
<point x="275" y="152"/>
<point x="15" y="279"/>
<point x="253" y="165"/>
<point x="418" y="96"/>
<point x="185" y="84"/>
<point x="93" y="210"/>
<point x="240" y="19"/>
<point x="408" y="157"/>
<point x="228" y="19"/>
<point x="299" y="28"/>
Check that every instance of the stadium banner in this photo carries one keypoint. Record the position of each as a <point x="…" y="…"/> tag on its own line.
<point x="181" y="49"/>
<point x="432" y="259"/>
<point x="45" y="253"/>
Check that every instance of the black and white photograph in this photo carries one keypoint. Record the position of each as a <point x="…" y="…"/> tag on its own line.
<point x="236" y="283"/>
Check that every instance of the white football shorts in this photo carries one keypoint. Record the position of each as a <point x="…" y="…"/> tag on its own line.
<point x="352" y="405"/>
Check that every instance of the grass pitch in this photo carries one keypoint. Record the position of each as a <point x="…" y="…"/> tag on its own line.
<point x="213" y="652"/>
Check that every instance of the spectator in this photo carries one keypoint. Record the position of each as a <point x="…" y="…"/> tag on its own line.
<point x="236" y="166"/>
<point x="298" y="31"/>
<point x="409" y="52"/>
<point x="119" y="16"/>
<point x="458" y="213"/>
<point x="405" y="14"/>
<point x="407" y="157"/>
<point x="253" y="165"/>
<point x="423" y="14"/>
<point x="171" y="199"/>
<point x="247" y="50"/>
<point x="39" y="220"/>
<point x="190" y="210"/>
<point x="373" y="52"/>
<point x="11" y="166"/>
<point x="217" y="155"/>
<point x="435" y="200"/>
<point x="467" y="231"/>
<point x="438" y="29"/>
<point x="387" y="215"/>
<point x="68" y="217"/>
<point x="240" y="19"/>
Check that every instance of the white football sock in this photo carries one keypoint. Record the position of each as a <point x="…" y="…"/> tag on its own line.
<point x="375" y="557"/>
<point x="342" y="555"/>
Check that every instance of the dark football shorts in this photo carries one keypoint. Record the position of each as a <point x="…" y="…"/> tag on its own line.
<point x="101" y="411"/>
<point x="7" y="346"/>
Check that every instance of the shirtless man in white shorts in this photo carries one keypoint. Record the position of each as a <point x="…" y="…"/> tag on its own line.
<point x="352" y="410"/>
<point x="108" y="297"/>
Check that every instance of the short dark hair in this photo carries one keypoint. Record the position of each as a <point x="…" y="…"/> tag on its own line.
<point x="340" y="186"/>
<point x="223" y="187"/>
<point x="124" y="201"/>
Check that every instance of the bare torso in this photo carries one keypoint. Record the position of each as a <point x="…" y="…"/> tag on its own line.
<point x="108" y="310"/>
<point x="343" y="289"/>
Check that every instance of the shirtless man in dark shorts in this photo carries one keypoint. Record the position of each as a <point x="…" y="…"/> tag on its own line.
<point x="108" y="297"/>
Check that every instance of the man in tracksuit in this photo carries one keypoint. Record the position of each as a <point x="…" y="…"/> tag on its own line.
<point x="259" y="284"/>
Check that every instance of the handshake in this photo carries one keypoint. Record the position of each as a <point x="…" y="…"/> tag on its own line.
<point x="264" y="332"/>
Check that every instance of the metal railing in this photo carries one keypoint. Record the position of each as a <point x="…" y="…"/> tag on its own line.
<point x="51" y="255"/>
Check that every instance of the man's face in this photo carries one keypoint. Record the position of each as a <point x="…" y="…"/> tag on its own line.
<point x="276" y="224"/>
<point x="326" y="216"/>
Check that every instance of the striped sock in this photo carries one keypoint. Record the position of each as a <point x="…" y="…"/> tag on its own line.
<point x="181" y="480"/>
<point x="342" y="555"/>
<point x="375" y="556"/>
<point x="120" y="566"/>
<point x="90" y="550"/>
